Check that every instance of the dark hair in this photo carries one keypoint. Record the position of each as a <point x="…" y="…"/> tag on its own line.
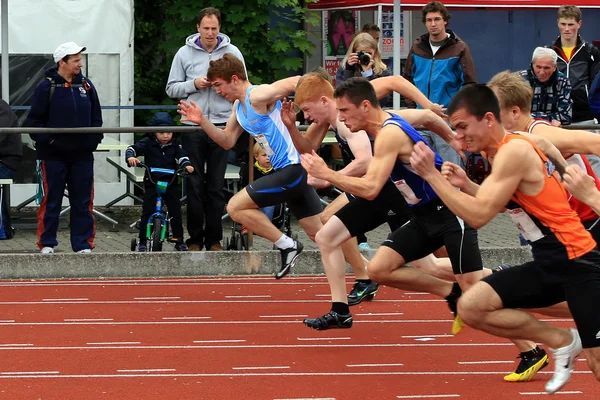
<point x="207" y="12"/>
<point x="436" y="6"/>
<point x="477" y="99"/>
<point x="357" y="90"/>
<point x="370" y="28"/>
<point x="225" y="68"/>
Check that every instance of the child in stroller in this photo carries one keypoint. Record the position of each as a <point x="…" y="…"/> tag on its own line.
<point x="278" y="214"/>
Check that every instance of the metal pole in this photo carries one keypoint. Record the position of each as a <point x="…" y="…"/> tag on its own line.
<point x="5" y="55"/>
<point x="396" y="64"/>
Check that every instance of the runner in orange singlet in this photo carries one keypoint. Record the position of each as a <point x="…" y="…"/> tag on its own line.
<point x="565" y="266"/>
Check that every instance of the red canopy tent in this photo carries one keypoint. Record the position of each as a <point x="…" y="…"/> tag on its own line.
<point x="455" y="4"/>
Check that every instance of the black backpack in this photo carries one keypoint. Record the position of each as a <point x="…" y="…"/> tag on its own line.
<point x="53" y="85"/>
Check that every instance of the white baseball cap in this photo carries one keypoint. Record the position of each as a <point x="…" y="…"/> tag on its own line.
<point x="67" y="49"/>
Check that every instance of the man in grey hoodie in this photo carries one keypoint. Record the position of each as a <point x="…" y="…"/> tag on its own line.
<point x="187" y="81"/>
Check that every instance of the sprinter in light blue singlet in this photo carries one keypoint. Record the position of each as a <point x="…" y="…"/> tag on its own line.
<point x="257" y="109"/>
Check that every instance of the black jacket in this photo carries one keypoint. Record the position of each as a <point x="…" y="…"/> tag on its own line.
<point x="11" y="147"/>
<point x="57" y="104"/>
<point x="581" y="70"/>
<point x="157" y="155"/>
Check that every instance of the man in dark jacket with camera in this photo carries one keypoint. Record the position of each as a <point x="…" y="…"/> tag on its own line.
<point x="65" y="99"/>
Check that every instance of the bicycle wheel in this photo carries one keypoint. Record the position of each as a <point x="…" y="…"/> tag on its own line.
<point x="155" y="242"/>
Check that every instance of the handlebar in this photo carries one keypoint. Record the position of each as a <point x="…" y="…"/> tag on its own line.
<point x="164" y="171"/>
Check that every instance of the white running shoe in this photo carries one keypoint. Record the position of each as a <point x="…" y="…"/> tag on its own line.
<point x="48" y="250"/>
<point x="564" y="362"/>
<point x="84" y="251"/>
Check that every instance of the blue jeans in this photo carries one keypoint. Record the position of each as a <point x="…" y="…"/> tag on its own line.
<point x="5" y="172"/>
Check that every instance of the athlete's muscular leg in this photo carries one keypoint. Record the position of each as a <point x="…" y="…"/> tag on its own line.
<point x="481" y="308"/>
<point x="387" y="267"/>
<point x="593" y="359"/>
<point x="329" y="239"/>
<point x="242" y="209"/>
<point x="350" y="246"/>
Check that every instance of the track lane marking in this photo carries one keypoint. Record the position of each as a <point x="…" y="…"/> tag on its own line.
<point x="158" y="298"/>
<point x="220" y="341"/>
<point x="29" y="372"/>
<point x="374" y="365"/>
<point x="283" y="316"/>
<point x="325" y="338"/>
<point x="206" y="322"/>
<point x="87" y="319"/>
<point x="249" y="296"/>
<point x="148" y="370"/>
<point x="544" y="393"/>
<point x="259" y="368"/>
<point x="184" y="318"/>
<point x="428" y="396"/>
<point x="253" y="374"/>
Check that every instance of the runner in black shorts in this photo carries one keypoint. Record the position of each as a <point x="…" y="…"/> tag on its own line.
<point x="314" y="97"/>
<point x="566" y="263"/>
<point x="394" y="139"/>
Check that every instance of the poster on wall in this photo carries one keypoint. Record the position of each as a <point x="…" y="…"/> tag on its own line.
<point x="387" y="33"/>
<point x="339" y="29"/>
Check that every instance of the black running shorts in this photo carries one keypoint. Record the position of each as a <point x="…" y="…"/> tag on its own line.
<point x="542" y="284"/>
<point x="361" y="215"/>
<point x="433" y="225"/>
<point x="287" y="185"/>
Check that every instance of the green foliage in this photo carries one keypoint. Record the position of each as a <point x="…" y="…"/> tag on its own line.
<point x="265" y="31"/>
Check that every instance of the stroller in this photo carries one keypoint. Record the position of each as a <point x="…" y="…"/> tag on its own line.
<point x="239" y="235"/>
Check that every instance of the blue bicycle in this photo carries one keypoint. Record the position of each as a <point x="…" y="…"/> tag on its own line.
<point x="157" y="228"/>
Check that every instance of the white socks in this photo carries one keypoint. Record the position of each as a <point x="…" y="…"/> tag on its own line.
<point x="284" y="242"/>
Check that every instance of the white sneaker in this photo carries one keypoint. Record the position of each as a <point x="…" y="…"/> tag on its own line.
<point x="564" y="363"/>
<point x="84" y="251"/>
<point x="48" y="250"/>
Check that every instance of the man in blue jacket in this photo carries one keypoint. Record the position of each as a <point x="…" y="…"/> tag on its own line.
<point x="66" y="99"/>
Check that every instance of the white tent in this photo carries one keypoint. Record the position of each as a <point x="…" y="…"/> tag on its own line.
<point x="106" y="28"/>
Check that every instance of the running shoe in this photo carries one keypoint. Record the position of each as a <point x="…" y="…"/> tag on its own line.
<point x="529" y="366"/>
<point x="330" y="320"/>
<point x="288" y="259"/>
<point x="564" y="362"/>
<point x="452" y="301"/>
<point x="362" y="291"/>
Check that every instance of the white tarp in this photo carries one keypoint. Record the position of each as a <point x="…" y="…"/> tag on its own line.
<point x="106" y="28"/>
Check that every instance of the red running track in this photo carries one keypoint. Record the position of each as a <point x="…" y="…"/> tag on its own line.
<point x="243" y="338"/>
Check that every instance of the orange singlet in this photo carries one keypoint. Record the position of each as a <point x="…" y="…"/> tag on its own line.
<point x="546" y="219"/>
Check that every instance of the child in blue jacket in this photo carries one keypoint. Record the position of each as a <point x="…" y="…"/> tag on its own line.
<point x="160" y="150"/>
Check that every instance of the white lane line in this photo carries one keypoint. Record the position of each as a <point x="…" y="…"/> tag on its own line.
<point x="380" y="314"/>
<point x="415" y="293"/>
<point x="158" y="298"/>
<point x="428" y="396"/>
<point x="248" y="297"/>
<point x="111" y="343"/>
<point x="220" y="341"/>
<point x="278" y="346"/>
<point x="426" y="336"/>
<point x="374" y="365"/>
<point x="212" y="322"/>
<point x="6" y="320"/>
<point x="283" y="316"/>
<point x="544" y="393"/>
<point x="15" y="344"/>
<point x="184" y="318"/>
<point x="325" y="338"/>
<point x="73" y="299"/>
<point x="87" y="319"/>
<point x="258" y="368"/>
<point x="322" y="295"/>
<point x="29" y="372"/>
<point x="148" y="370"/>
<point x="274" y="301"/>
<point x="485" y="362"/>
<point x="257" y="374"/>
<point x="308" y="398"/>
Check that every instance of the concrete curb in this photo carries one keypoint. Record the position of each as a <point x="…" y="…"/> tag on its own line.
<point x="70" y="265"/>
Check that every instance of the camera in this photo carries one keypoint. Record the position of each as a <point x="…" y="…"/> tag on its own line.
<point x="363" y="57"/>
